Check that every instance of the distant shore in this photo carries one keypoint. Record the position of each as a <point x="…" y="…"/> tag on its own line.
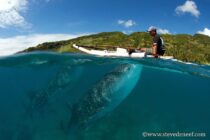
<point x="187" y="48"/>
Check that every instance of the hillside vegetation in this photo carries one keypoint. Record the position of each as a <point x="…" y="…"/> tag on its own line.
<point x="184" y="47"/>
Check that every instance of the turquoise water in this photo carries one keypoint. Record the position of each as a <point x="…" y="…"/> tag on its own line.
<point x="41" y="92"/>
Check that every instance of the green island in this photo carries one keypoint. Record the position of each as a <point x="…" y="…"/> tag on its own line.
<point x="184" y="47"/>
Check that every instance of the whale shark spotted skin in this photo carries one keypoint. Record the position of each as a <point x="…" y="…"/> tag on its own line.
<point x="106" y="95"/>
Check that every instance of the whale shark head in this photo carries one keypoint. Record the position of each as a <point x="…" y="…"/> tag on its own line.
<point x="106" y="94"/>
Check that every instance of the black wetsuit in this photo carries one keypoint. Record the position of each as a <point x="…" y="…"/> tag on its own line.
<point x="160" y="46"/>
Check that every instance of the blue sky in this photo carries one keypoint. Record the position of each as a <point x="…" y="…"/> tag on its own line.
<point x="71" y="18"/>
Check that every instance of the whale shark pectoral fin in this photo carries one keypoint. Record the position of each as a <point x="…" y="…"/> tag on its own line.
<point x="69" y="106"/>
<point x="63" y="127"/>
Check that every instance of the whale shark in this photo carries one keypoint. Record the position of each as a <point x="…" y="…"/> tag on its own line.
<point x="64" y="80"/>
<point x="104" y="96"/>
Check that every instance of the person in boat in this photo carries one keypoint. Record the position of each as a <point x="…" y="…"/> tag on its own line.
<point x="157" y="48"/>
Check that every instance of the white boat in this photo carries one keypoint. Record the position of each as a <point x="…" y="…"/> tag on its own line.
<point x="120" y="52"/>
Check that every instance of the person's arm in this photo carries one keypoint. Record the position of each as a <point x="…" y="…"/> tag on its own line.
<point x="142" y="49"/>
<point x="155" y="45"/>
<point x="154" y="49"/>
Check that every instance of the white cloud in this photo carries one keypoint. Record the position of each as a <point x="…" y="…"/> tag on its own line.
<point x="206" y="31"/>
<point x="129" y="23"/>
<point x="188" y="7"/>
<point x="160" y="30"/>
<point x="163" y="31"/>
<point x="10" y="13"/>
<point x="12" y="45"/>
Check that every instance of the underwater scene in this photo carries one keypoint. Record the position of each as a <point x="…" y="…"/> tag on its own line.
<point x="51" y="96"/>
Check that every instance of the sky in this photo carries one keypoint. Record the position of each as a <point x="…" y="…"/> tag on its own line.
<point x="26" y="23"/>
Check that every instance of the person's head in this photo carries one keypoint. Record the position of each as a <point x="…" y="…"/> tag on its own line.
<point x="152" y="30"/>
